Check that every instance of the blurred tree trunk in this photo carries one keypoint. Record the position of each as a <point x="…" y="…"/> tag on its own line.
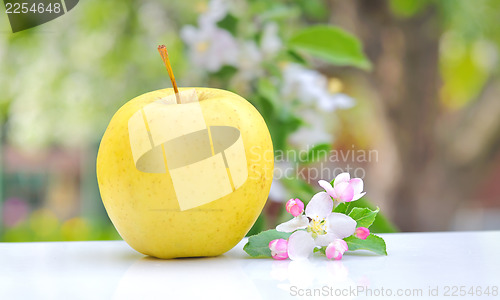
<point x="406" y="78"/>
<point x="437" y="169"/>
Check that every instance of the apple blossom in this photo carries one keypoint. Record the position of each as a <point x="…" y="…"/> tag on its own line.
<point x="210" y="47"/>
<point x="215" y="11"/>
<point x="249" y="64"/>
<point x="362" y="233"/>
<point x="295" y="207"/>
<point x="279" y="249"/>
<point x="311" y="87"/>
<point x="336" y="249"/>
<point x="344" y="188"/>
<point x="322" y="226"/>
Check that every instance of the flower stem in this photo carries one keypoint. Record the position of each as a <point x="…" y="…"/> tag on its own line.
<point x="164" y="56"/>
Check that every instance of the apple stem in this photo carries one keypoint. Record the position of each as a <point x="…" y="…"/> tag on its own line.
<point x="164" y="56"/>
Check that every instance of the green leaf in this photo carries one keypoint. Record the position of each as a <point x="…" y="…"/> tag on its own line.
<point x="258" y="245"/>
<point x="272" y="68"/>
<point x="331" y="44"/>
<point x="295" y="57"/>
<point x="381" y="224"/>
<point x="320" y="250"/>
<point x="316" y="153"/>
<point x="315" y="9"/>
<point x="364" y="217"/>
<point x="258" y="226"/>
<point x="230" y="23"/>
<point x="279" y="12"/>
<point x="341" y="208"/>
<point x="268" y="90"/>
<point x="225" y="73"/>
<point x="407" y="8"/>
<point x="280" y="120"/>
<point x="372" y="243"/>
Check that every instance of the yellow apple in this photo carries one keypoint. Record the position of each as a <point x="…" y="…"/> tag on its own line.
<point x="168" y="191"/>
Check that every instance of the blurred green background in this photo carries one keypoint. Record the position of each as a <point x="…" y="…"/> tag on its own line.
<point x="415" y="81"/>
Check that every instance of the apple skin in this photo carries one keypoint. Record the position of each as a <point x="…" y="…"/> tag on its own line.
<point x="143" y="206"/>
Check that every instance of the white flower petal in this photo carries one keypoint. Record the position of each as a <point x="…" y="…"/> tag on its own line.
<point x="341" y="225"/>
<point x="357" y="185"/>
<point x="217" y="10"/>
<point x="320" y="206"/>
<point x="299" y="222"/>
<point x="328" y="188"/>
<point x="344" y="192"/>
<point x="324" y="184"/>
<point x="300" y="245"/>
<point x="270" y="41"/>
<point x="189" y="34"/>
<point x="342" y="177"/>
<point x="324" y="239"/>
<point x="358" y="196"/>
<point x="326" y="103"/>
<point x="343" y="101"/>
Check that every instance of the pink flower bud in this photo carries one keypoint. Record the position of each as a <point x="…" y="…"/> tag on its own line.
<point x="279" y="249"/>
<point x="295" y="207"/>
<point x="336" y="249"/>
<point x="362" y="233"/>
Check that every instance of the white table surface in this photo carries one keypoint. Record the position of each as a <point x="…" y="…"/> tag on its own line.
<point x="416" y="263"/>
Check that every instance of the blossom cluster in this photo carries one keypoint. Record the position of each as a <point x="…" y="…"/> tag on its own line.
<point x="211" y="47"/>
<point x="317" y="225"/>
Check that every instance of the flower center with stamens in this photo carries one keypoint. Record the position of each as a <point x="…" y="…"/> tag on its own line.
<point x="317" y="227"/>
<point x="202" y="47"/>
